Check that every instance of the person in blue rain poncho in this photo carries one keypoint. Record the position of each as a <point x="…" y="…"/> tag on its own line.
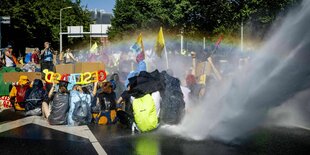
<point x="81" y="95"/>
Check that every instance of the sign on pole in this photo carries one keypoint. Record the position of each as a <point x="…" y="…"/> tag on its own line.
<point x="75" y="31"/>
<point x="99" y="30"/>
<point x="5" y="19"/>
<point x="5" y="22"/>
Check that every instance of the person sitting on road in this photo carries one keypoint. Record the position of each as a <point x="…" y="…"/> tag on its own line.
<point x="80" y="105"/>
<point x="119" y="86"/>
<point x="193" y="86"/>
<point x="18" y="93"/>
<point x="106" y="101"/>
<point x="57" y="110"/>
<point x="35" y="97"/>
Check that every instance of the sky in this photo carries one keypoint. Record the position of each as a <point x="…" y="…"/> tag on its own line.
<point x="106" y="5"/>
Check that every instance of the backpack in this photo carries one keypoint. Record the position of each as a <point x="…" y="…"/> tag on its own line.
<point x="145" y="113"/>
<point x="34" y="98"/>
<point x="28" y="57"/>
<point x="21" y="93"/>
<point x="81" y="113"/>
<point x="125" y="118"/>
<point x="107" y="101"/>
<point x="59" y="109"/>
<point x="105" y="117"/>
<point x="172" y="104"/>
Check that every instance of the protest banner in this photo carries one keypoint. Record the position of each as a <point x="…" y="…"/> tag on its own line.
<point x="14" y="76"/>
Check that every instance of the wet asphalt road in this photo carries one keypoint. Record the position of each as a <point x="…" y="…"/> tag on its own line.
<point x="114" y="139"/>
<point x="275" y="140"/>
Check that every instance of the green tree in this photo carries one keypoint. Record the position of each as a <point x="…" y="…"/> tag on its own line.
<point x="34" y="22"/>
<point x="134" y="14"/>
<point x="263" y="14"/>
<point x="194" y="17"/>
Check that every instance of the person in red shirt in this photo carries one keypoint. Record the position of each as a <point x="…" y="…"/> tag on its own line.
<point x="35" y="56"/>
<point x="18" y="93"/>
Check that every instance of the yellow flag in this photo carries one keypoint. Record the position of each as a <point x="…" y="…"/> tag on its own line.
<point x="93" y="48"/>
<point x="140" y="42"/>
<point x="160" y="42"/>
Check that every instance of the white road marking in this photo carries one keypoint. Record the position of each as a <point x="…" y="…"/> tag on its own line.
<point x="82" y="131"/>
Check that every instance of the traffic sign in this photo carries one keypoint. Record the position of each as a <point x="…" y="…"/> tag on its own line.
<point x="5" y="18"/>
<point x="75" y="31"/>
<point x="99" y="30"/>
<point x="6" y="22"/>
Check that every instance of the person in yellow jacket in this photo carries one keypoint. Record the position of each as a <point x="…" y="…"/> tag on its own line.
<point x="18" y="93"/>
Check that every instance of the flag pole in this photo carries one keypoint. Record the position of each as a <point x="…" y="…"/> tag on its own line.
<point x="166" y="57"/>
<point x="166" y="53"/>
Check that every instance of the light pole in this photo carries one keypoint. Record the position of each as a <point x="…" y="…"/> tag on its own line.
<point x="241" y="35"/>
<point x="60" y="35"/>
<point x="204" y="42"/>
<point x="181" y="40"/>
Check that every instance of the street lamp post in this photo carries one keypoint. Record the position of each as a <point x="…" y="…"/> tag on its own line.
<point x="181" y="40"/>
<point x="241" y="37"/>
<point x="60" y="31"/>
<point x="204" y="42"/>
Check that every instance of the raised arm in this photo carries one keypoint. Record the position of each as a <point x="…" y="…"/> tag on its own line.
<point x="119" y="100"/>
<point x="95" y="88"/>
<point x="54" y="59"/>
<point x="72" y="57"/>
<point x="50" y="94"/>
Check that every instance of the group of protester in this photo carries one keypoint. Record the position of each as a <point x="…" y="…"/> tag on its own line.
<point x="37" y="60"/>
<point x="61" y="106"/>
<point x="145" y="99"/>
<point x="139" y="101"/>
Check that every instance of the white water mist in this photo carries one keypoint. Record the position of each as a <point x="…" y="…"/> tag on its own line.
<point x="280" y="70"/>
